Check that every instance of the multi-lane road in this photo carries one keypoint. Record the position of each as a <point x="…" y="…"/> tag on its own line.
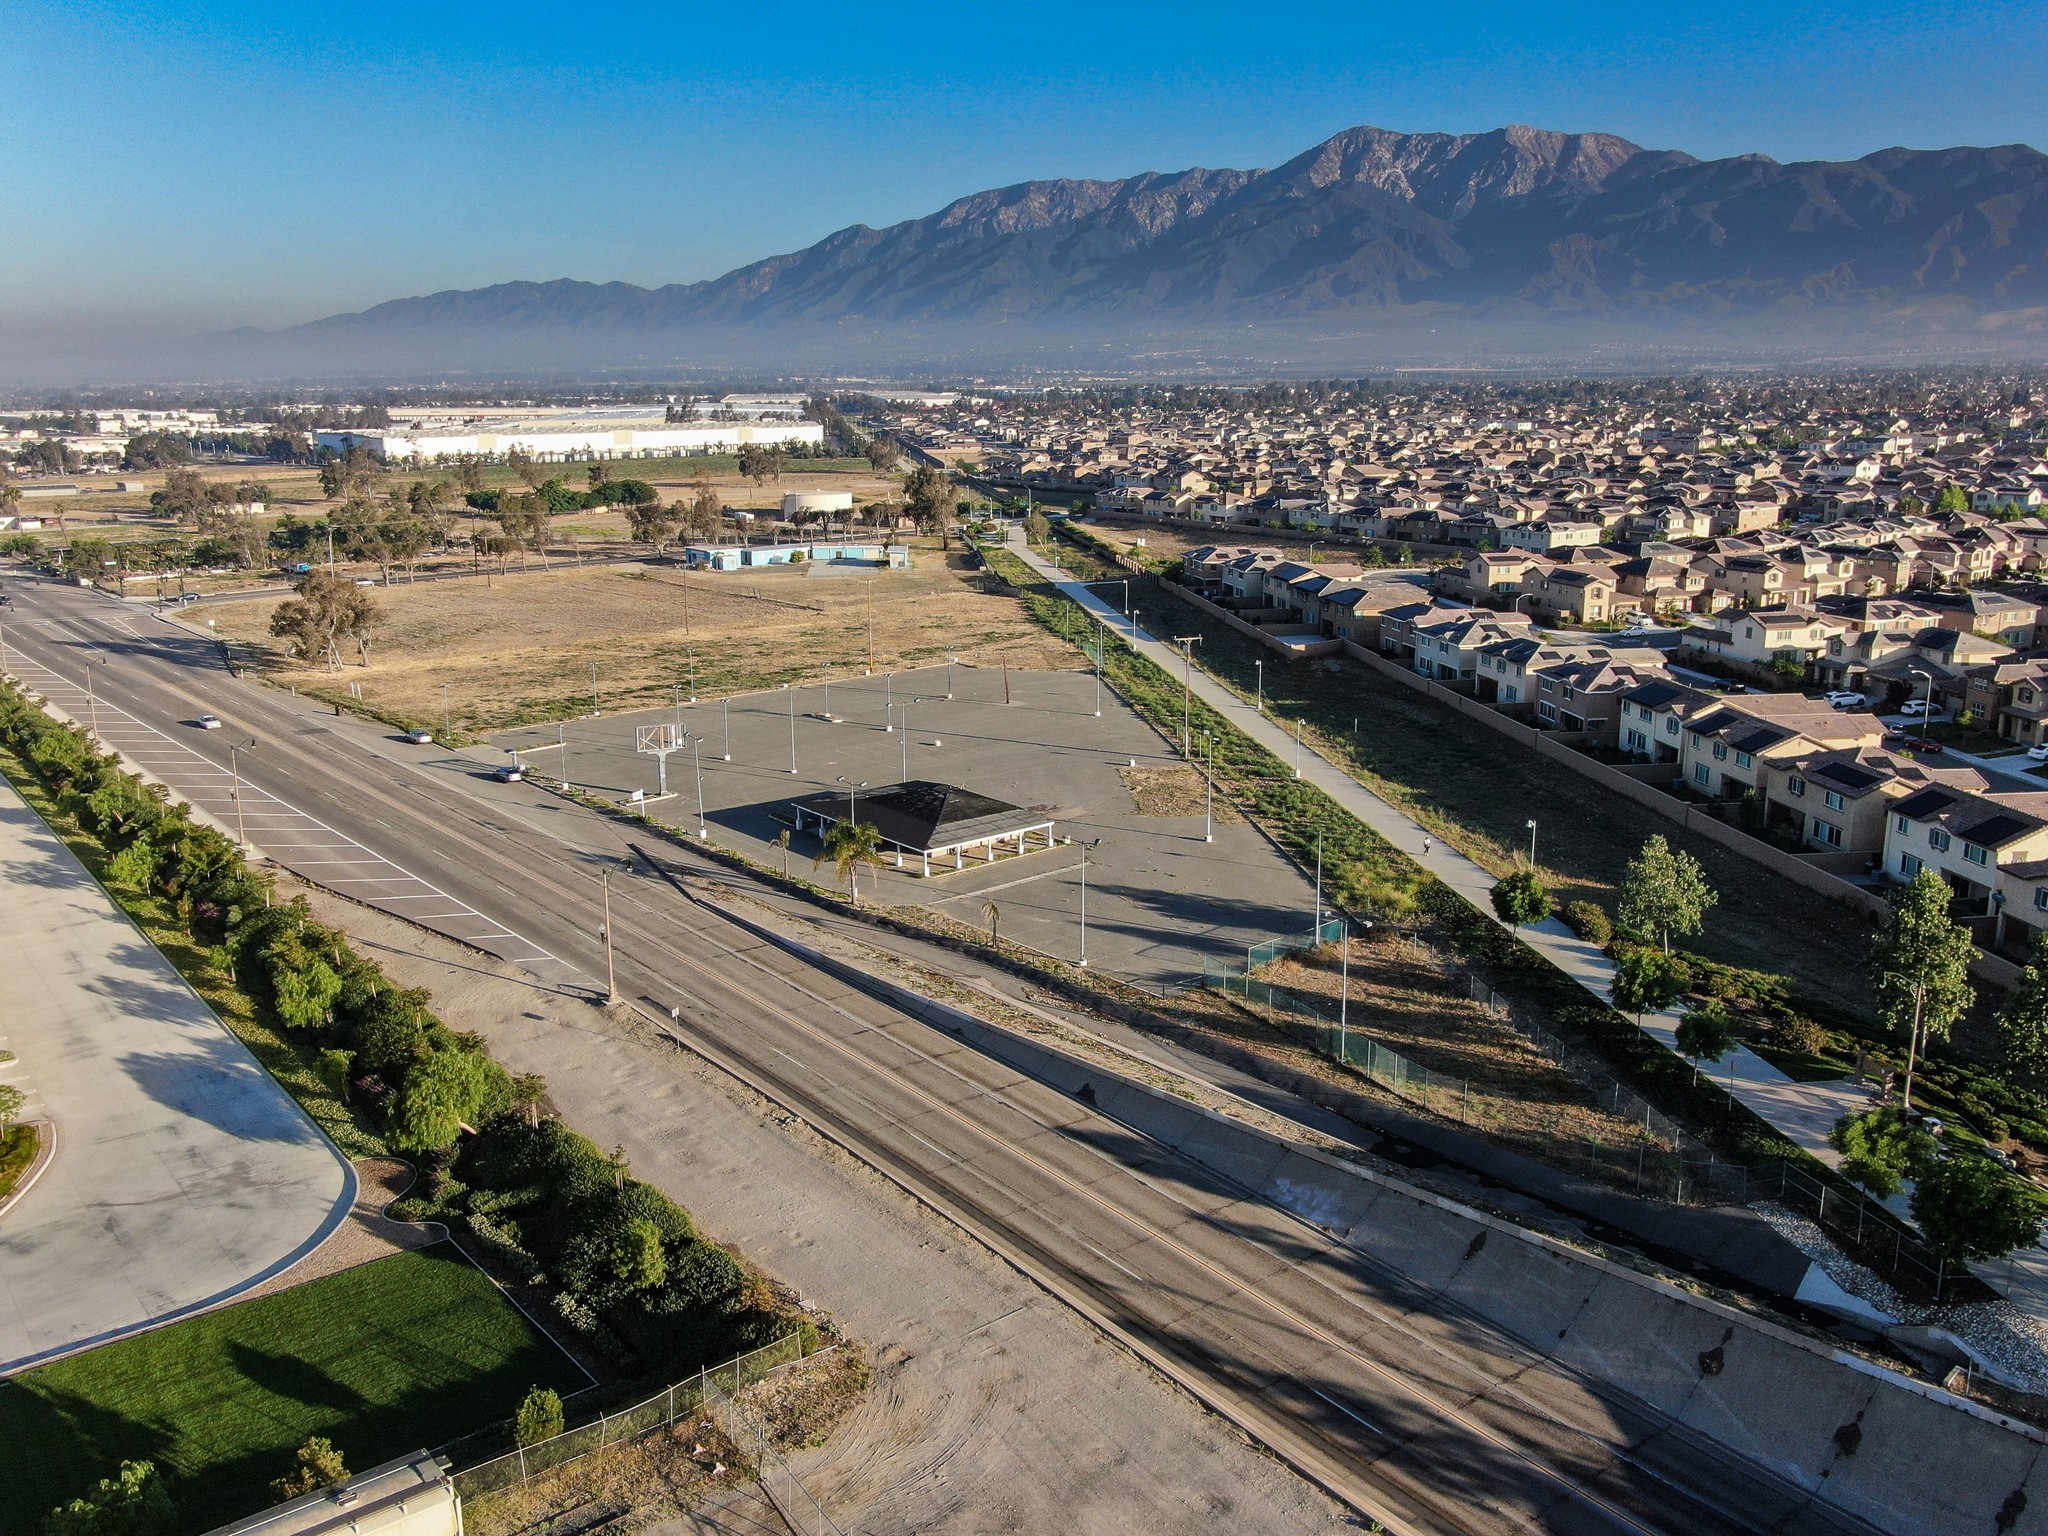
<point x="1412" y="1411"/>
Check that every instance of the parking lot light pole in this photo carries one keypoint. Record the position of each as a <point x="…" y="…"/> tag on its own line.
<point x="1187" y="690"/>
<point x="852" y="814"/>
<point x="949" y="674"/>
<point x="1209" y="785"/>
<point x="697" y="762"/>
<point x="1098" y="676"/>
<point x="888" y="701"/>
<point x="792" y="727"/>
<point x="1085" y="846"/>
<point x="1927" y="712"/>
<point x="725" y="709"/>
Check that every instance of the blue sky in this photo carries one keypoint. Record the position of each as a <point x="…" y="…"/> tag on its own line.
<point x="235" y="163"/>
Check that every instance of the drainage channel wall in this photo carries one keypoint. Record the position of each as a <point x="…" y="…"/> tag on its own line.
<point x="1898" y="1454"/>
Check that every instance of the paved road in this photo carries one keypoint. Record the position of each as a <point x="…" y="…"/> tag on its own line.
<point x="1413" y="1410"/>
<point x="184" y="1174"/>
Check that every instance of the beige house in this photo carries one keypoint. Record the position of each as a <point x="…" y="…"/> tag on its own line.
<point x="1726" y="752"/>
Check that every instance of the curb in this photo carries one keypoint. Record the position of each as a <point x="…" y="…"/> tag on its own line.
<point x="46" y="1153"/>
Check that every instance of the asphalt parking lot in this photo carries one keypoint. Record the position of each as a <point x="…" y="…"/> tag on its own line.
<point x="1159" y="898"/>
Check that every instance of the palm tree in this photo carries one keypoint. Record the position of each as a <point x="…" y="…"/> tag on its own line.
<point x="992" y="912"/>
<point x="782" y="842"/>
<point x="849" y="845"/>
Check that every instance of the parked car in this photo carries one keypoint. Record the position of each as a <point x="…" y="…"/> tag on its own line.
<point x="509" y="773"/>
<point x="208" y="722"/>
<point x="420" y="738"/>
<point x="188" y="597"/>
<point x="1922" y="744"/>
<point x="2000" y="1156"/>
<point x="1918" y="707"/>
<point x="2039" y="754"/>
<point x="1847" y="700"/>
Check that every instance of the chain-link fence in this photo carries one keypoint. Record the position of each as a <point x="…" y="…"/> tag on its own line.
<point x="709" y="1389"/>
<point x="1655" y="1157"/>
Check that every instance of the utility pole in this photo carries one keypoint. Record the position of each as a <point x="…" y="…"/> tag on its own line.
<point x="1187" y="690"/>
<point x="1006" y="679"/>
<point x="611" y="985"/>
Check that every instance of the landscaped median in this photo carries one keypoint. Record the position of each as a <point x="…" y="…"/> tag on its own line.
<point x="628" y="1278"/>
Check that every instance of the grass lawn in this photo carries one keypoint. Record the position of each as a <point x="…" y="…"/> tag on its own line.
<point x="399" y="1355"/>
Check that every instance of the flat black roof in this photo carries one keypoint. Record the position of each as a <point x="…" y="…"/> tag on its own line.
<point x="923" y="815"/>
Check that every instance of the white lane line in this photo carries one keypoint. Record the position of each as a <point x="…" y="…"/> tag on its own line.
<point x="1359" y="1418"/>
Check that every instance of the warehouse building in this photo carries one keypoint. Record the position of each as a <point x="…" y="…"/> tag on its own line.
<point x="569" y="435"/>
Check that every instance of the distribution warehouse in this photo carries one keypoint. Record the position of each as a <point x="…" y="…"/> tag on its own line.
<point x="633" y="433"/>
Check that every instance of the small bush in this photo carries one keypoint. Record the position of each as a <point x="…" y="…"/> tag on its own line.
<point x="316" y="1465"/>
<point x="1589" y="920"/>
<point x="1797" y="1033"/>
<point x="539" y="1417"/>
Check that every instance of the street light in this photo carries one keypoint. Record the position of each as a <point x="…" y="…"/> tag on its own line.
<point x="447" y="718"/>
<point x="1531" y="825"/>
<point x="1316" y="928"/>
<point x="1085" y="846"/>
<point x="792" y="725"/>
<point x="851" y="789"/>
<point x="1929" y="712"/>
<point x="888" y="701"/>
<point x="1187" y="687"/>
<point x="904" y="721"/>
<point x="596" y="699"/>
<point x="725" y="709"/>
<point x="1209" y="786"/>
<point x="697" y="763"/>
<point x="1259" y="669"/>
<point x="235" y="794"/>
<point x="949" y="674"/>
<point x="611" y="985"/>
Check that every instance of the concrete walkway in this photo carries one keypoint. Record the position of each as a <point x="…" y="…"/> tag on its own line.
<point x="184" y="1174"/>
<point x="1804" y="1112"/>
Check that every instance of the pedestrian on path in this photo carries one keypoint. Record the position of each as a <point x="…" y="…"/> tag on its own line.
<point x="1427" y="843"/>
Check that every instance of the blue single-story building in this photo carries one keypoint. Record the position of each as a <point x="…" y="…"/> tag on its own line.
<point x="733" y="557"/>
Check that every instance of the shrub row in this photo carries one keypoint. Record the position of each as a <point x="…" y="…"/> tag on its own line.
<point x="625" y="1262"/>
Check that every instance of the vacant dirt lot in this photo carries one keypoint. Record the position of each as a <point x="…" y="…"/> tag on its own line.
<point x="521" y="648"/>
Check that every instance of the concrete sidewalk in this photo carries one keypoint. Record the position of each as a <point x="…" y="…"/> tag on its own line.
<point x="1804" y="1112"/>
<point x="184" y="1173"/>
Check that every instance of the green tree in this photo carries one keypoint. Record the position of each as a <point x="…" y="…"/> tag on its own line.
<point x="929" y="495"/>
<point x="1881" y="1149"/>
<point x="11" y="1101"/>
<point x="1645" y="981"/>
<point x="885" y="453"/>
<point x="1920" y="968"/>
<point x="315" y="1465"/>
<point x="328" y="611"/>
<point x="1706" y="1033"/>
<point x="849" y="846"/>
<point x="1521" y="898"/>
<point x="444" y="1091"/>
<point x="303" y="985"/>
<point x="1663" y="893"/>
<point x="652" y="523"/>
<point x="1953" y="498"/>
<point x="134" y="1502"/>
<point x="539" y="1417"/>
<point x="1968" y="1207"/>
<point x="2023" y="1021"/>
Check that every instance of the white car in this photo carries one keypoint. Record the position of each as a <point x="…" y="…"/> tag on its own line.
<point x="420" y="738"/>
<point x="2039" y="754"/>
<point x="1918" y="707"/>
<point x="208" y="722"/>
<point x="1847" y="700"/>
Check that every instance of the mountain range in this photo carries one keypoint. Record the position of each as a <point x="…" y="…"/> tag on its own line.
<point x="1560" y="237"/>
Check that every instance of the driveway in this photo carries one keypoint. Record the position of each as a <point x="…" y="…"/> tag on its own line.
<point x="184" y="1174"/>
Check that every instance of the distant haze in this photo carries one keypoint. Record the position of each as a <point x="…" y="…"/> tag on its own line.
<point x="1371" y="248"/>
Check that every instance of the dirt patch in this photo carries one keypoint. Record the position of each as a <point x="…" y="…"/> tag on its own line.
<point x="368" y="1234"/>
<point x="521" y="648"/>
<point x="1179" y="791"/>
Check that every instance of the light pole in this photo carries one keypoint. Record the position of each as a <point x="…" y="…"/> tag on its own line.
<point x="1098" y="676"/>
<point x="596" y="699"/>
<point x="903" y="720"/>
<point x="888" y="701"/>
<point x="447" y="717"/>
<point x="611" y="985"/>
<point x="677" y="690"/>
<point x="1187" y="690"/>
<point x="1297" y="749"/>
<point x="92" y="705"/>
<point x="693" y="677"/>
<point x="949" y="674"/>
<point x="1316" y="929"/>
<point x="1312" y="543"/>
<point x="1209" y="787"/>
<point x="851" y="789"/>
<point x="1085" y="846"/>
<point x="1531" y="825"/>
<point x="1928" y="713"/>
<point x="792" y="726"/>
<point x="235" y="793"/>
<point x="697" y="763"/>
<point x="1259" y="670"/>
<point x="725" y="709"/>
<point x="562" y="741"/>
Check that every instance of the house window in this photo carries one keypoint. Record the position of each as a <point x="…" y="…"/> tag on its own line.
<point x="1720" y="750"/>
<point x="1638" y="742"/>
<point x="1702" y="774"/>
<point x="1975" y="854"/>
<point x="1671" y="726"/>
<point x="1546" y="712"/>
<point x="2041" y="898"/>
<point x="1908" y="865"/>
<point x="1827" y="832"/>
<point x="1937" y="839"/>
<point x="1832" y="800"/>
<point x="1795" y="785"/>
<point x="1745" y="760"/>
<point x="1549" y="686"/>
<point x="1903" y="824"/>
<point x="1511" y="693"/>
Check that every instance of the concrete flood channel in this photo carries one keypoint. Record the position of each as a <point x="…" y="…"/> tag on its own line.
<point x="1825" y="1426"/>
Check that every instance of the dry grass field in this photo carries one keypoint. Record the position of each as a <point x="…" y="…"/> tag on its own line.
<point x="520" y="649"/>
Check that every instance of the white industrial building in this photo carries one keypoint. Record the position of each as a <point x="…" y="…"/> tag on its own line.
<point x="550" y="436"/>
